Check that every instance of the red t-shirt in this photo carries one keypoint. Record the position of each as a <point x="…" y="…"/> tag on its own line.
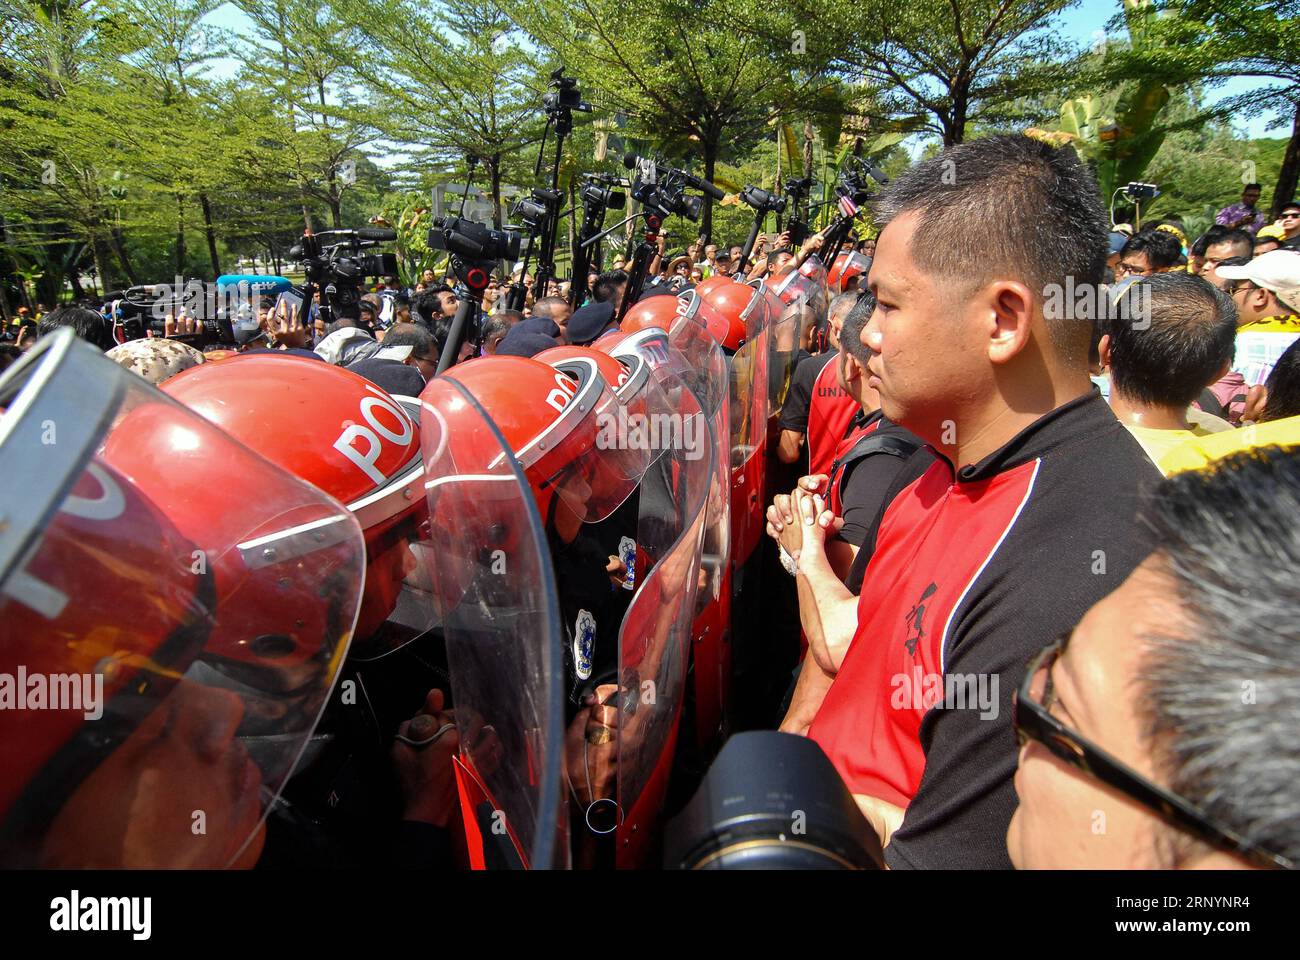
<point x="830" y="411"/>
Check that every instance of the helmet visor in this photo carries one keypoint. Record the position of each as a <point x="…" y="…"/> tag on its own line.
<point x="186" y="635"/>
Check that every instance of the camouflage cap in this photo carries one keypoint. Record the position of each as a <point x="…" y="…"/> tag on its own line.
<point x="156" y="359"/>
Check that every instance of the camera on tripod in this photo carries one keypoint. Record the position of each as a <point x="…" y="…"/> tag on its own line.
<point x="566" y="95"/>
<point x="762" y="200"/>
<point x="335" y="264"/>
<point x="598" y="190"/>
<point x="473" y="241"/>
<point x="534" y="210"/>
<point x="662" y="189"/>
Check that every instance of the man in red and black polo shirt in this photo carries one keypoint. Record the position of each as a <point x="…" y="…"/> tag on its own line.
<point x="1025" y="520"/>
<point x="818" y="409"/>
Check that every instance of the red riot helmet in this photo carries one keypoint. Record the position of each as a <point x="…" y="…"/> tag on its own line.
<point x="734" y="302"/>
<point x="345" y="436"/>
<point x="636" y="388"/>
<point x="849" y="267"/>
<point x="212" y="623"/>
<point x="705" y="287"/>
<point x="556" y="423"/>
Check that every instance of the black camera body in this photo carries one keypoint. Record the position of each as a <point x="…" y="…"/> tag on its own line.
<point x="662" y="189"/>
<point x="535" y="210"/>
<point x="666" y="199"/>
<point x="473" y="241"/>
<point x="566" y="96"/>
<point x="762" y="200"/>
<point x="598" y="191"/>
<point x="337" y="267"/>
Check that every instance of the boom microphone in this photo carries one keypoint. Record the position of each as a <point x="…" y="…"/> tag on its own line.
<point x="376" y="233"/>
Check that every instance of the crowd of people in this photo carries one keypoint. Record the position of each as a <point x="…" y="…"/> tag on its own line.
<point x="1039" y="527"/>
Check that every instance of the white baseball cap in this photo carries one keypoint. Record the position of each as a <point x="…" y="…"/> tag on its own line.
<point x="1277" y="271"/>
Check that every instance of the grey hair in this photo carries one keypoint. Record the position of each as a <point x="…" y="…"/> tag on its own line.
<point x="1219" y="703"/>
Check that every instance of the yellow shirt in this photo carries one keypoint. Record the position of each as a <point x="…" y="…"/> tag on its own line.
<point x="1199" y="451"/>
<point x="1159" y="442"/>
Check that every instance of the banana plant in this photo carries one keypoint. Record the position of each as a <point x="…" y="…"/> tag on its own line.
<point x="1118" y="146"/>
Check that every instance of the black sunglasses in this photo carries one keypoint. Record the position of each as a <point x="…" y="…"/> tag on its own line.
<point x="1034" y="721"/>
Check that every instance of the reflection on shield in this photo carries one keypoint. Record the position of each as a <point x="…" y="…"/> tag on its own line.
<point x="496" y="598"/>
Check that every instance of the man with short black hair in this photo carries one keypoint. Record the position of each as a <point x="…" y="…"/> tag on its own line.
<point x="1023" y="522"/>
<point x="87" y="324"/>
<point x="1230" y="243"/>
<point x="609" y="288"/>
<point x="1289" y="220"/>
<point x="1170" y="709"/>
<point x="498" y="325"/>
<point x="1148" y="252"/>
<point x="1167" y="338"/>
<point x="447" y="301"/>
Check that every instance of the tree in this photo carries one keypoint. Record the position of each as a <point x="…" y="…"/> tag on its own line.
<point x="320" y="122"/>
<point x="455" y="82"/>
<point x="680" y="74"/>
<point x="1215" y="40"/>
<point x="946" y="63"/>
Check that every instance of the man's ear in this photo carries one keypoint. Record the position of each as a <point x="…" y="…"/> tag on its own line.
<point x="1005" y="311"/>
<point x="1103" y="351"/>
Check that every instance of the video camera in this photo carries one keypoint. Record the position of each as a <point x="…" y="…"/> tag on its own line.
<point x="336" y="267"/>
<point x="566" y="96"/>
<point x="534" y="210"/>
<point x="598" y="191"/>
<point x="762" y="200"/>
<point x="661" y="189"/>
<point x="473" y="241"/>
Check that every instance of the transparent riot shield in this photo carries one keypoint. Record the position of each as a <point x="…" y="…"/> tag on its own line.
<point x="654" y="641"/>
<point x="495" y="596"/>
<point x="748" y="416"/>
<point x="174" y="610"/>
<point x="796" y="303"/>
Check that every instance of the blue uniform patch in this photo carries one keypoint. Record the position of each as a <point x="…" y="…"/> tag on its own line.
<point x="584" y="641"/>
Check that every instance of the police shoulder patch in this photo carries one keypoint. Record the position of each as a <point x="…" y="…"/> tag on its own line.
<point x="584" y="641"/>
<point x="627" y="556"/>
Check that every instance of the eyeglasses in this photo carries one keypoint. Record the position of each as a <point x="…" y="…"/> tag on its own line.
<point x="1128" y="270"/>
<point x="1291" y="215"/>
<point x="1034" y="721"/>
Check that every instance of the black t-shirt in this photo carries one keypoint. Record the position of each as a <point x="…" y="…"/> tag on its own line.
<point x="794" y="414"/>
<point x="870" y="483"/>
